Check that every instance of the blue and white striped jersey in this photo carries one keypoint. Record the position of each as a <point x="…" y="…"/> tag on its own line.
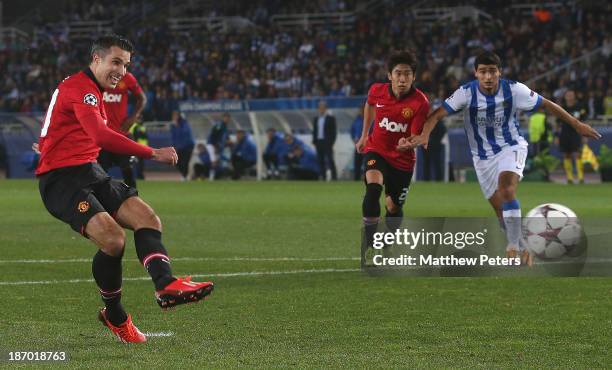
<point x="491" y="120"/>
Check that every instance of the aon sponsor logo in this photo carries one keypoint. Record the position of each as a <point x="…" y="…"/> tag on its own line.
<point x="112" y="98"/>
<point x="393" y="126"/>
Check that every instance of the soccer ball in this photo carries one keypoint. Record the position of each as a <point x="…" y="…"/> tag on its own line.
<point x="551" y="231"/>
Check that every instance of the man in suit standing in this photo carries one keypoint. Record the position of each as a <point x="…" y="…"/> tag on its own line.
<point x="356" y="129"/>
<point x="323" y="137"/>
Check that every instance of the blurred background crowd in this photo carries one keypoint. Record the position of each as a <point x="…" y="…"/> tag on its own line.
<point x="245" y="51"/>
<point x="265" y="60"/>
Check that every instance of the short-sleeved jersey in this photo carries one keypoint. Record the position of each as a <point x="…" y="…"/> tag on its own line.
<point x="491" y="120"/>
<point x="116" y="101"/>
<point x="395" y="118"/>
<point x="63" y="141"/>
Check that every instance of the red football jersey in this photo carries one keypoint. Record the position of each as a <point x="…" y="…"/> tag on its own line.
<point x="116" y="101"/>
<point x="75" y="126"/>
<point x="395" y="119"/>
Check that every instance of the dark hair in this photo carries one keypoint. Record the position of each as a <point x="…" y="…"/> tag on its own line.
<point x="104" y="43"/>
<point x="487" y="58"/>
<point x="402" y="57"/>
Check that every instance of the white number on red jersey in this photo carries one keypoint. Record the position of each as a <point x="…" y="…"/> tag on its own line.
<point x="43" y="132"/>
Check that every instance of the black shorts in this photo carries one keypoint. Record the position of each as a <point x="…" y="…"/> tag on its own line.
<point x="570" y="142"/>
<point x="75" y="194"/>
<point x="108" y="160"/>
<point x="396" y="181"/>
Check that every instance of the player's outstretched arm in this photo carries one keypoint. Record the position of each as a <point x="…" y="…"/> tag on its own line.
<point x="106" y="138"/>
<point x="369" y="113"/>
<point x="580" y="127"/>
<point x="114" y="142"/>
<point x="423" y="139"/>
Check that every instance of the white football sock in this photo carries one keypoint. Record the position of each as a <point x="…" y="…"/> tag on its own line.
<point x="512" y="220"/>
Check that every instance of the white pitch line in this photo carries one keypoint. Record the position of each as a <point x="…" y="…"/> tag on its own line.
<point x="223" y="274"/>
<point x="160" y="334"/>
<point x="253" y="259"/>
<point x="256" y="259"/>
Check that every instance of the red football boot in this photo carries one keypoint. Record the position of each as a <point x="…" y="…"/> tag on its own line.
<point x="181" y="291"/>
<point x="126" y="332"/>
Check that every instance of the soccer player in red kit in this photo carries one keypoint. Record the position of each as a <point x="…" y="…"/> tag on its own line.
<point x="398" y="111"/>
<point x="76" y="190"/>
<point x="116" y="106"/>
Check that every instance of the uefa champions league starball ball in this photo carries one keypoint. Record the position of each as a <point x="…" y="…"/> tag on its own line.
<point x="551" y="231"/>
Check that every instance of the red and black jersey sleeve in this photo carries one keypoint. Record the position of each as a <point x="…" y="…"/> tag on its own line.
<point x="374" y="93"/>
<point x="132" y="84"/>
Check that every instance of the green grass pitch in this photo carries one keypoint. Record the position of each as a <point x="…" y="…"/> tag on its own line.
<point x="288" y="291"/>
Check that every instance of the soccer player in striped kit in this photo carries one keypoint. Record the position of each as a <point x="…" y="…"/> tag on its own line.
<point x="490" y="105"/>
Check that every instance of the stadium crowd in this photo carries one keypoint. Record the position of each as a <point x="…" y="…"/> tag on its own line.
<point x="260" y="11"/>
<point x="268" y="62"/>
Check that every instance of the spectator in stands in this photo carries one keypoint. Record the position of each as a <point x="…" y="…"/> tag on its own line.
<point x="313" y="62"/>
<point x="163" y="105"/>
<point x="218" y="134"/>
<point x="273" y="154"/>
<point x="539" y="132"/>
<point x="244" y="154"/>
<point x="597" y="96"/>
<point x="182" y="141"/>
<point x="303" y="163"/>
<point x="291" y="142"/>
<point x="543" y="15"/>
<point x="201" y="169"/>
<point x="324" y="134"/>
<point x="356" y="129"/>
<point x="608" y="103"/>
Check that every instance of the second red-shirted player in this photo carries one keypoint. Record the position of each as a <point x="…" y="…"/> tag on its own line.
<point x="398" y="111"/>
<point x="116" y="106"/>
